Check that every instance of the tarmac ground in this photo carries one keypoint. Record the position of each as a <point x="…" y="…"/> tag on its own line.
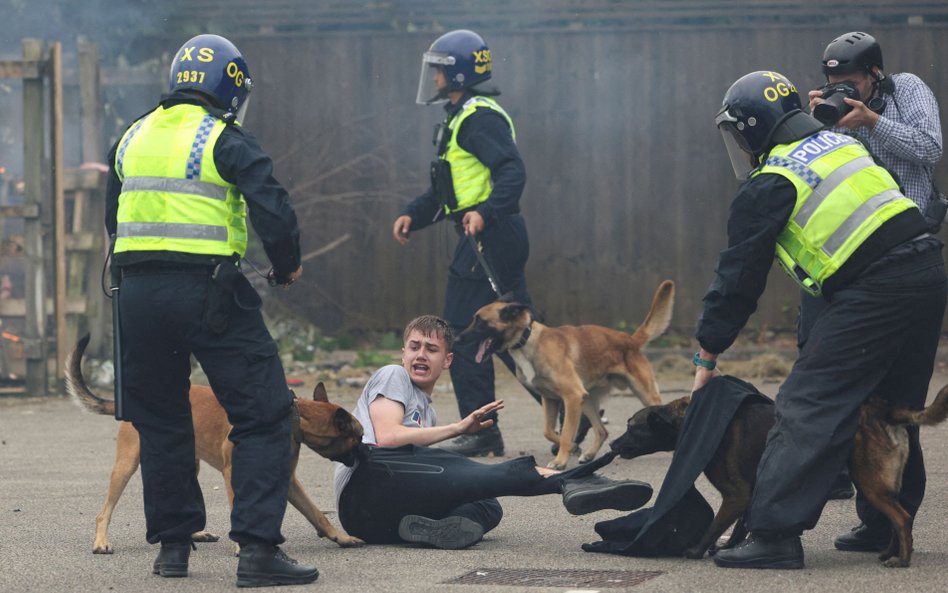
<point x="55" y="462"/>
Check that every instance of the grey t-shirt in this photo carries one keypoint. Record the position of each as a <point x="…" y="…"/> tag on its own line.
<point x="391" y="382"/>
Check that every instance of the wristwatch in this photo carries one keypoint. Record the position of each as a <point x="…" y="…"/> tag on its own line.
<point x="700" y="362"/>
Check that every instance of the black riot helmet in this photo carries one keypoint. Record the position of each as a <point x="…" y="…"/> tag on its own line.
<point x="852" y="52"/>
<point x="760" y="110"/>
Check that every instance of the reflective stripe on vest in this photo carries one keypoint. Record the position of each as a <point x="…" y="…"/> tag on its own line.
<point x="173" y="197"/>
<point x="472" y="183"/>
<point x="842" y="198"/>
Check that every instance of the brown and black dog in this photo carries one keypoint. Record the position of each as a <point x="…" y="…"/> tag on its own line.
<point x="322" y="426"/>
<point x="880" y="451"/>
<point x="573" y="365"/>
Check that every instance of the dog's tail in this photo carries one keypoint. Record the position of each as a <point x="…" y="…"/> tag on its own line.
<point x="659" y="315"/>
<point x="933" y="414"/>
<point x="76" y="386"/>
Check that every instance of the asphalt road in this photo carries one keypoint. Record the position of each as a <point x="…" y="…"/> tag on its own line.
<point x="55" y="462"/>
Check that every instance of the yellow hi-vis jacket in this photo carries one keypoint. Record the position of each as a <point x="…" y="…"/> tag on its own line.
<point x="843" y="197"/>
<point x="173" y="198"/>
<point x="472" y="183"/>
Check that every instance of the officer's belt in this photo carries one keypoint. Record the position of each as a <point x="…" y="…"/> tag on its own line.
<point x="166" y="267"/>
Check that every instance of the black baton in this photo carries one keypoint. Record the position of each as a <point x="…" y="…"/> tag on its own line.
<point x="479" y="253"/>
<point x="116" y="333"/>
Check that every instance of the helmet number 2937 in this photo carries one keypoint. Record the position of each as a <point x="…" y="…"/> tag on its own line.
<point x="189" y="76"/>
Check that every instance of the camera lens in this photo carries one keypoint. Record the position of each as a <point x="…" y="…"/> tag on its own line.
<point x="831" y="109"/>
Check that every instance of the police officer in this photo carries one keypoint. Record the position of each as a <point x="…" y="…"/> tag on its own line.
<point x="183" y="179"/>
<point x="841" y="228"/>
<point x="477" y="180"/>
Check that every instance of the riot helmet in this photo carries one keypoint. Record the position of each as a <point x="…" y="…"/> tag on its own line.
<point x="214" y="67"/>
<point x="754" y="111"/>
<point x="852" y="52"/>
<point x="456" y="61"/>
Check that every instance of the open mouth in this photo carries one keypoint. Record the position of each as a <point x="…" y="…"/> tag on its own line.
<point x="420" y="368"/>
<point x="483" y="350"/>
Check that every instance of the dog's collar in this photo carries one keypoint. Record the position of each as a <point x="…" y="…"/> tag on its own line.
<point x="297" y="429"/>
<point x="523" y="337"/>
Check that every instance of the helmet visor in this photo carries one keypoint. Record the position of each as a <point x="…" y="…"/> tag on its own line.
<point x="742" y="159"/>
<point x="432" y="84"/>
<point x="242" y="111"/>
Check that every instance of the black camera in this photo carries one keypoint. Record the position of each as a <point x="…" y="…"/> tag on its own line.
<point x="832" y="106"/>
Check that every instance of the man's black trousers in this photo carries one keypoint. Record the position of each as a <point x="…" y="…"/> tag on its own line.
<point x="410" y="480"/>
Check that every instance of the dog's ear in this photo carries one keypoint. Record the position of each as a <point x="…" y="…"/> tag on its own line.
<point x="512" y="311"/>
<point x="319" y="393"/>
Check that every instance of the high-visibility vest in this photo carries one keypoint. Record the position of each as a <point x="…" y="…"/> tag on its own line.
<point x="471" y="179"/>
<point x="173" y="198"/>
<point x="843" y="197"/>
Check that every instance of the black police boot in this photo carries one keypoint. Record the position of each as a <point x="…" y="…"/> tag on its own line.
<point x="763" y="551"/>
<point x="172" y="560"/>
<point x="265" y="565"/>
<point x="450" y="533"/>
<point x="864" y="538"/>
<point x="595" y="493"/>
<point x="484" y="443"/>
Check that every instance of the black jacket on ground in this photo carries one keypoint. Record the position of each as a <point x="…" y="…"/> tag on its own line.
<point x="680" y="515"/>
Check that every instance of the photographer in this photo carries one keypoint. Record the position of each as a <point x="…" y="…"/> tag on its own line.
<point x="897" y="118"/>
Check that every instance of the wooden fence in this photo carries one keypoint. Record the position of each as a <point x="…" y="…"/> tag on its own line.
<point x="55" y="256"/>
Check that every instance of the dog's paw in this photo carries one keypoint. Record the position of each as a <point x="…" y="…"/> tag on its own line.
<point x="555" y="465"/>
<point x="895" y="562"/>
<point x="586" y="458"/>
<point x="204" y="537"/>
<point x="347" y="541"/>
<point x="105" y="548"/>
<point x="694" y="553"/>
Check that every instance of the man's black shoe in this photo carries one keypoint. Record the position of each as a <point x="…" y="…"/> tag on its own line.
<point x="450" y="533"/>
<point x="596" y="493"/>
<point x="172" y="560"/>
<point x="864" y="538"/>
<point x="760" y="551"/>
<point x="264" y="565"/>
<point x="484" y="443"/>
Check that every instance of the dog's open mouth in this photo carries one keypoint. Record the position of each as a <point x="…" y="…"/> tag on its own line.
<point x="483" y="351"/>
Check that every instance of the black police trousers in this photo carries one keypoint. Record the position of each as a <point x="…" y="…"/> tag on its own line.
<point x="506" y="249"/>
<point x="163" y="321"/>
<point x="876" y="336"/>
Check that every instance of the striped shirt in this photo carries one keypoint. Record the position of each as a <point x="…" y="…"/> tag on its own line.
<point x="907" y="137"/>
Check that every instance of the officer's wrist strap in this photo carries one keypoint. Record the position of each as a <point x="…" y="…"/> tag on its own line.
<point x="700" y="362"/>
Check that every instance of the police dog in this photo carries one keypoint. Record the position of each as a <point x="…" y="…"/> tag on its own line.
<point x="573" y="365"/>
<point x="880" y="451"/>
<point x="322" y="426"/>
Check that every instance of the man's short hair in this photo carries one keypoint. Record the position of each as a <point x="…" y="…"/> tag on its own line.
<point x="430" y="325"/>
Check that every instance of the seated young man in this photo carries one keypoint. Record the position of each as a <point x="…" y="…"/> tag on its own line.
<point x="403" y="490"/>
